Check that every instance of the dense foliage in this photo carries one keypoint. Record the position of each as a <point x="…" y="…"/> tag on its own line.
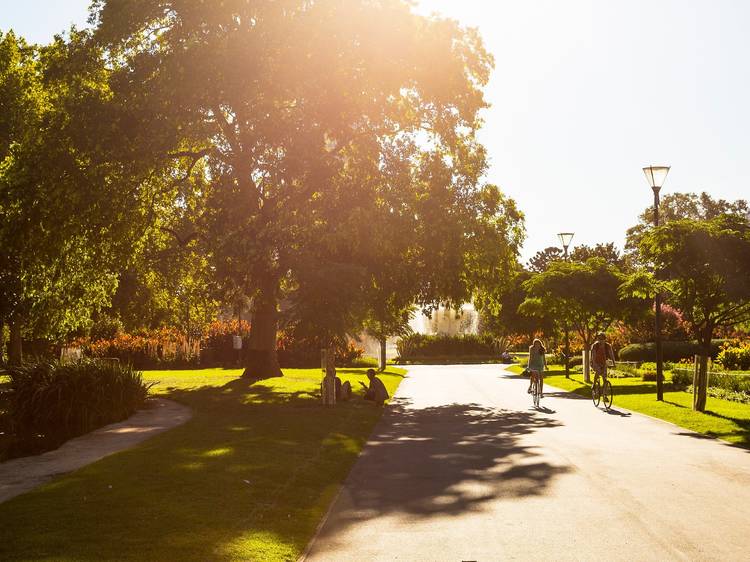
<point x="735" y="356"/>
<point x="343" y="126"/>
<point x="51" y="402"/>
<point x="420" y="345"/>
<point x="703" y="267"/>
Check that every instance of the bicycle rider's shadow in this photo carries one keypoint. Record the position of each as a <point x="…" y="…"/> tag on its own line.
<point x="544" y="410"/>
<point x="613" y="412"/>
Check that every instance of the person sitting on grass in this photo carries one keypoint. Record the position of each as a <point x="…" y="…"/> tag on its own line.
<point x="376" y="391"/>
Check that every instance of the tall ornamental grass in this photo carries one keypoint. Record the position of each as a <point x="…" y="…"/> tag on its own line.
<point x="55" y="401"/>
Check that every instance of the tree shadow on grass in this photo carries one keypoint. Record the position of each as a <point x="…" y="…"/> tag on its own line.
<point x="248" y="477"/>
<point x="443" y="461"/>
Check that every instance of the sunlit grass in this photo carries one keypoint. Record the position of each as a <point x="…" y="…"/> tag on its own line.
<point x="724" y="419"/>
<point x="248" y="478"/>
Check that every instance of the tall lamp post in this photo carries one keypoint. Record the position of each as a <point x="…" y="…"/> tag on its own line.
<point x="655" y="175"/>
<point x="565" y="239"/>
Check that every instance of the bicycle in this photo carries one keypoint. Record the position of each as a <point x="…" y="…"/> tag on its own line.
<point x="536" y="390"/>
<point x="602" y="391"/>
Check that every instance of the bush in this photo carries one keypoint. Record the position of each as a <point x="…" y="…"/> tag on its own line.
<point x="730" y="383"/>
<point x="421" y="345"/>
<point x="217" y="346"/>
<point x="672" y="350"/>
<point x="453" y="359"/>
<point x="162" y="348"/>
<point x="365" y="362"/>
<point x="575" y="361"/>
<point x="105" y="328"/>
<point x="51" y="402"/>
<point x="735" y="357"/>
<point x="682" y="377"/>
<point x="303" y="352"/>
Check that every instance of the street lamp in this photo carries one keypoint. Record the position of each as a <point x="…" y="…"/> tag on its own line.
<point x="565" y="239"/>
<point x="655" y="176"/>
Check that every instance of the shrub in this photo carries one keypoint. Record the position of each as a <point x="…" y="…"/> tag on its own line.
<point x="730" y="383"/>
<point x="672" y="350"/>
<point x="421" y="345"/>
<point x="735" y="357"/>
<point x="105" y="328"/>
<point x="165" y="347"/>
<point x="682" y="377"/>
<point x="365" y="362"/>
<point x="217" y="346"/>
<point x="575" y="361"/>
<point x="301" y="351"/>
<point x="453" y="359"/>
<point x="55" y="401"/>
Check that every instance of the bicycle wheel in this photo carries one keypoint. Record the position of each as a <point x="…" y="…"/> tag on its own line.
<point x="596" y="394"/>
<point x="607" y="394"/>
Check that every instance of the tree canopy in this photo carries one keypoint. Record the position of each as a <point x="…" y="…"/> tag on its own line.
<point x="704" y="268"/>
<point x="303" y="115"/>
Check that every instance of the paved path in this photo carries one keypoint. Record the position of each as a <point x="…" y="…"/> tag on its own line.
<point x="21" y="475"/>
<point x="463" y="468"/>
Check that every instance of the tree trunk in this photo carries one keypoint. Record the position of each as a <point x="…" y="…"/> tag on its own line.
<point x="700" y="382"/>
<point x="381" y="356"/>
<point x="261" y="360"/>
<point x="15" y="347"/>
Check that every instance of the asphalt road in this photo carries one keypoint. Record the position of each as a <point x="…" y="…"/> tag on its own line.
<point x="462" y="467"/>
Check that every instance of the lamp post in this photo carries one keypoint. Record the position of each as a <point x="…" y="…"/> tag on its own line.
<point x="655" y="176"/>
<point x="565" y="239"/>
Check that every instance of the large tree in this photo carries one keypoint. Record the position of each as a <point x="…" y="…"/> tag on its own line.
<point x="585" y="295"/>
<point x="294" y="105"/>
<point x="703" y="267"/>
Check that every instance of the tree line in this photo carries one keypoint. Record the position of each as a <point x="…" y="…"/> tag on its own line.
<point x="699" y="260"/>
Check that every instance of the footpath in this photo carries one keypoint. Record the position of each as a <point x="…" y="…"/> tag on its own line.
<point x="462" y="467"/>
<point x="21" y="475"/>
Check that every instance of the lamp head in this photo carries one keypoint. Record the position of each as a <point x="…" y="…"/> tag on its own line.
<point x="565" y="238"/>
<point x="655" y="176"/>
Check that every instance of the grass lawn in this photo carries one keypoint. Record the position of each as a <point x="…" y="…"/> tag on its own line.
<point x="724" y="419"/>
<point x="247" y="478"/>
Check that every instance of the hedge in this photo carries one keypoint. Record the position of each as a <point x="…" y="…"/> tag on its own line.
<point x="448" y="359"/>
<point x="671" y="350"/>
<point x="422" y="346"/>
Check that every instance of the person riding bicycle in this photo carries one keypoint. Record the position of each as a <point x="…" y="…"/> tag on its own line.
<point x="601" y="352"/>
<point x="537" y="364"/>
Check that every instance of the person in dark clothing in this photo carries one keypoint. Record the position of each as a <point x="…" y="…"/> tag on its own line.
<point x="376" y="391"/>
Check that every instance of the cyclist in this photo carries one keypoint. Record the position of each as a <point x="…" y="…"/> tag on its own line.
<point x="537" y="364"/>
<point x="601" y="352"/>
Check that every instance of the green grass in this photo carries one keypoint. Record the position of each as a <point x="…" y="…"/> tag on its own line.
<point x="247" y="478"/>
<point x="724" y="419"/>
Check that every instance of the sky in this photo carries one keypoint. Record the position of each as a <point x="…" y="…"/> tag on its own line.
<point x="584" y="94"/>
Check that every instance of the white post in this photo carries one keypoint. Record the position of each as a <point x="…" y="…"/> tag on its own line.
<point x="586" y="365"/>
<point x="328" y="385"/>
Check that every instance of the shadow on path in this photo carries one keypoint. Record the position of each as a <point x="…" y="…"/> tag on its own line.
<point x="443" y="461"/>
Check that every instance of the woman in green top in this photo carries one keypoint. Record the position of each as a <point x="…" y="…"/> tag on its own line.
<point x="537" y="364"/>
